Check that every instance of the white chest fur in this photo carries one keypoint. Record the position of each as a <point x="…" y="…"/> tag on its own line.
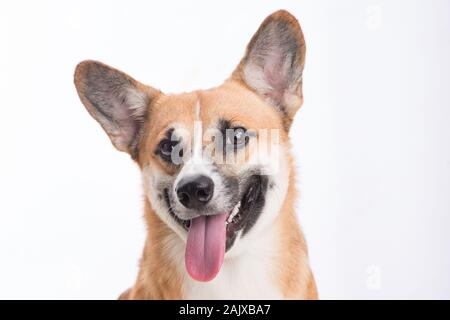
<point x="245" y="274"/>
<point x="241" y="278"/>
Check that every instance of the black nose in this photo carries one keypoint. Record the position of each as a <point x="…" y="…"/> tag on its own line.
<point x="195" y="192"/>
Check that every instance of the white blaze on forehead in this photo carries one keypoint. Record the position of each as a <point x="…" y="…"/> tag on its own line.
<point x="198" y="135"/>
<point x="196" y="164"/>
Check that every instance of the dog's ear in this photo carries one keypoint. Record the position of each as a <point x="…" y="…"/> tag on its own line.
<point x="118" y="102"/>
<point x="273" y="63"/>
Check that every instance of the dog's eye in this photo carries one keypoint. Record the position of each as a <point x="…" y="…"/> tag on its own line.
<point x="237" y="137"/>
<point x="165" y="149"/>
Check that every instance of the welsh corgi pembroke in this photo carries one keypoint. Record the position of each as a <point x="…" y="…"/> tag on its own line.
<point x="217" y="173"/>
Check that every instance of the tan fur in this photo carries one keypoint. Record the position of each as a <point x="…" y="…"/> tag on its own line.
<point x="294" y="275"/>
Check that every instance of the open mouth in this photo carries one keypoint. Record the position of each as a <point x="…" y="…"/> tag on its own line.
<point x="209" y="237"/>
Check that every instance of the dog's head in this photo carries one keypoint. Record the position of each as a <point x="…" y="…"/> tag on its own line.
<point x="215" y="163"/>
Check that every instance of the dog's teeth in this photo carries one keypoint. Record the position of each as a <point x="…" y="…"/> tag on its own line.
<point x="236" y="208"/>
<point x="234" y="213"/>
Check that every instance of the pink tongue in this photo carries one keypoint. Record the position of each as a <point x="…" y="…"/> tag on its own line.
<point x="205" y="246"/>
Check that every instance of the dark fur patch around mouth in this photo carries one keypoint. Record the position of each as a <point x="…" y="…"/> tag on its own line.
<point x="252" y="203"/>
<point x="255" y="199"/>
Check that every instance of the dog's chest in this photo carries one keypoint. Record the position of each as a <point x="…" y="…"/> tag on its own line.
<point x="250" y="271"/>
<point x="240" y="278"/>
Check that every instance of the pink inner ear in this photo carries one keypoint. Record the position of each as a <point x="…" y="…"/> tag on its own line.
<point x="273" y="62"/>
<point x="276" y="76"/>
<point x="126" y="125"/>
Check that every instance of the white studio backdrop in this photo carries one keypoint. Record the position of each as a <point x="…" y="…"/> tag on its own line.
<point x="372" y="139"/>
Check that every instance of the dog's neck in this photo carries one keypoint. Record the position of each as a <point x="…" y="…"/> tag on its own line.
<point x="275" y="266"/>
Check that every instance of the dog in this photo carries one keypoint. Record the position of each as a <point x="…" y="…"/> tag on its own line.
<point x="217" y="228"/>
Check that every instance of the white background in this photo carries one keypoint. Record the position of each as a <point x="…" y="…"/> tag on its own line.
<point x="372" y="139"/>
